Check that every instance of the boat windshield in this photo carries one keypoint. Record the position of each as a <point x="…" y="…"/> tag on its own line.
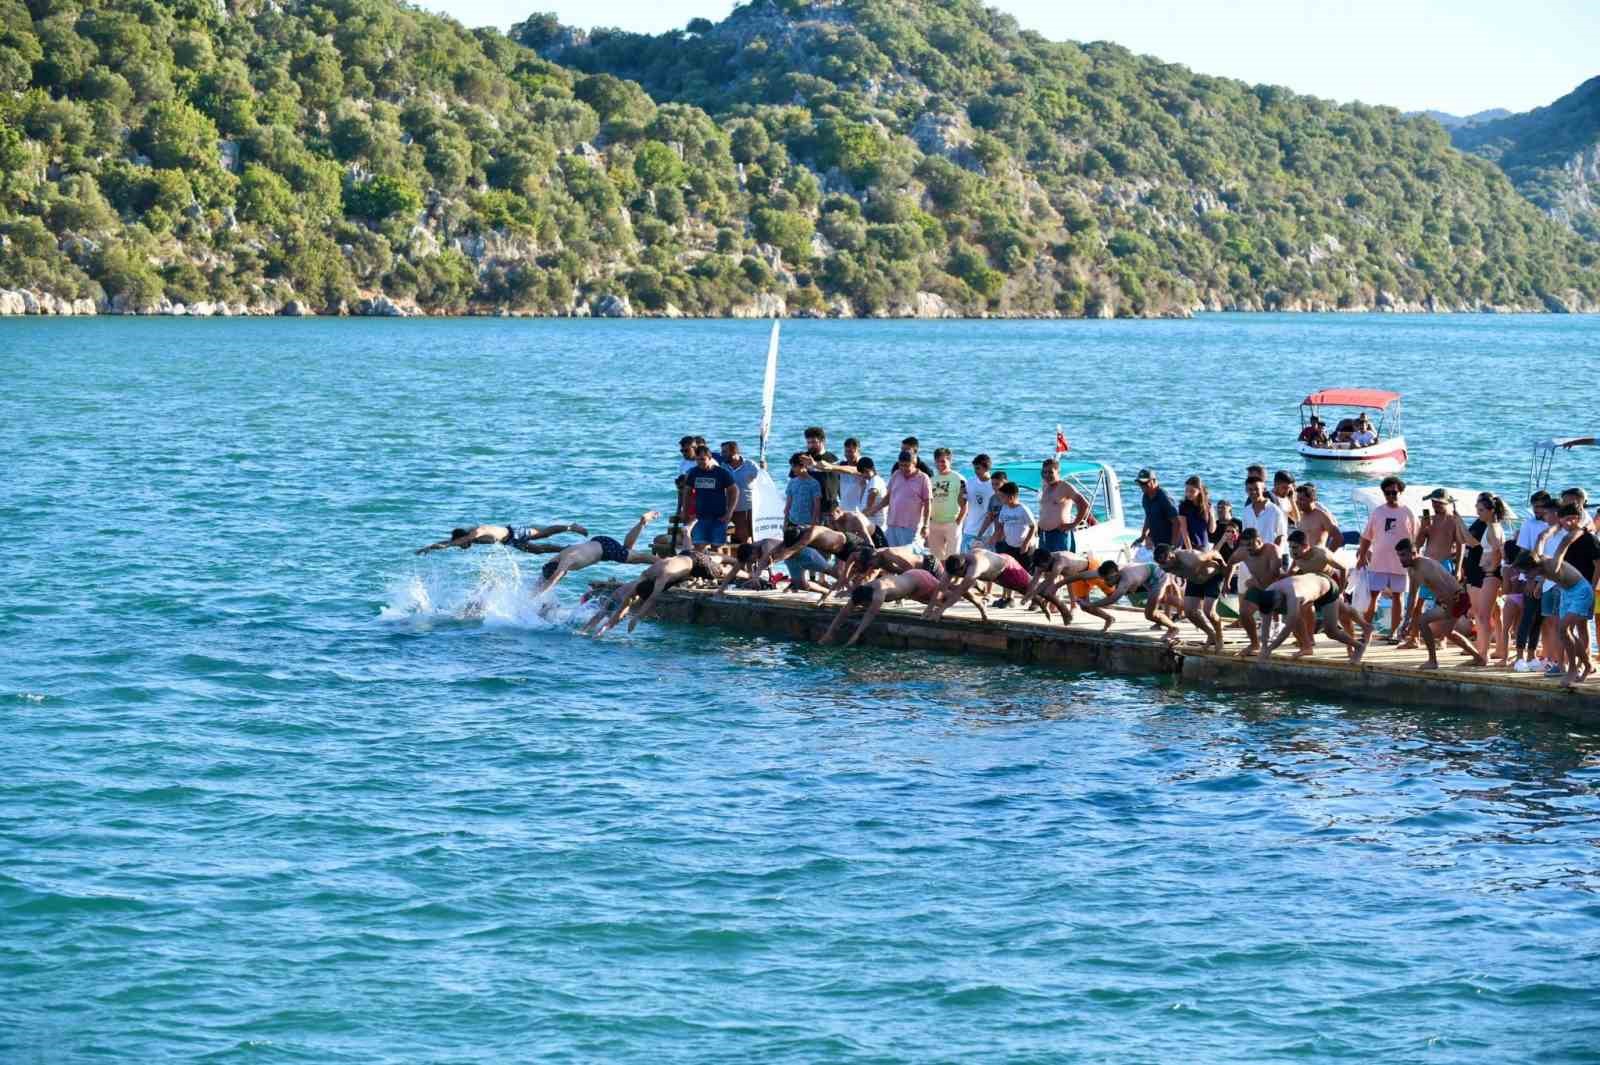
<point x="1087" y="477"/>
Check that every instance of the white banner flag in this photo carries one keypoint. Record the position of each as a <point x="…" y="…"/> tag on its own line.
<point x="766" y="508"/>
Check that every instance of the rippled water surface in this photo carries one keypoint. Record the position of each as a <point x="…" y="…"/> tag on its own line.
<point x="272" y="789"/>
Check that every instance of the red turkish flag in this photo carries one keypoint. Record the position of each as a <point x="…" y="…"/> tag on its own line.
<point x="1061" y="442"/>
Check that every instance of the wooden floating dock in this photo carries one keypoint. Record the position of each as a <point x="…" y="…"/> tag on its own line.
<point x="1385" y="673"/>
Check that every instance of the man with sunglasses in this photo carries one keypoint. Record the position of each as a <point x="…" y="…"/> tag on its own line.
<point x="1386" y="527"/>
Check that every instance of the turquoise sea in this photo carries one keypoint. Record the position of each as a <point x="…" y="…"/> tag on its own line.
<point x="273" y="789"/>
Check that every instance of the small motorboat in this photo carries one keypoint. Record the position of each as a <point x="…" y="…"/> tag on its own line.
<point x="1354" y="444"/>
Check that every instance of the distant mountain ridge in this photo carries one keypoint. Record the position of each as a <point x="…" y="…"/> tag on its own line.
<point x="806" y="157"/>
<point x="1449" y="121"/>
<point x="1551" y="154"/>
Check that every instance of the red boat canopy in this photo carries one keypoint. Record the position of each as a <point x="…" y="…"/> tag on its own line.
<point x="1352" y="397"/>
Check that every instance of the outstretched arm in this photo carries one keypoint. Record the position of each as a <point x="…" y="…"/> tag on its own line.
<point x="983" y="615"/>
<point x="866" y="618"/>
<point x="838" y="620"/>
<point x="435" y="547"/>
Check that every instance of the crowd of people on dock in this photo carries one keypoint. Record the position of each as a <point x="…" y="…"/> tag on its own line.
<point x="936" y="537"/>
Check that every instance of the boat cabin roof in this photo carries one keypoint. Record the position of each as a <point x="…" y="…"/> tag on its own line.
<point x="1027" y="476"/>
<point x="1352" y="397"/>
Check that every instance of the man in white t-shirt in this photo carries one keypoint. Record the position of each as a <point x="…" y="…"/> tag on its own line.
<point x="1262" y="514"/>
<point x="979" y="493"/>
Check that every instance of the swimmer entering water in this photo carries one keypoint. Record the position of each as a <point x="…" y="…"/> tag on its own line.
<point x="521" y="539"/>
<point x="599" y="549"/>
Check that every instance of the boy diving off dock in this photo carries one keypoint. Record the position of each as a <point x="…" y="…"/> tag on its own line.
<point x="916" y="584"/>
<point x="510" y="535"/>
<point x="596" y="550"/>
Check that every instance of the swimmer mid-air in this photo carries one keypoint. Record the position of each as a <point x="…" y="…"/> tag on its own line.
<point x="599" y="549"/>
<point x="521" y="539"/>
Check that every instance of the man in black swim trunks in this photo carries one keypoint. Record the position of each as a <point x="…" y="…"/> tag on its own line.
<point x="597" y="550"/>
<point x="510" y="535"/>
<point x="1202" y="572"/>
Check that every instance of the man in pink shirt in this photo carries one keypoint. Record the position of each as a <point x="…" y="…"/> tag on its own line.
<point x="907" y="502"/>
<point x="1388" y="525"/>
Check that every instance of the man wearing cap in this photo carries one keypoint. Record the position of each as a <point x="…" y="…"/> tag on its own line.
<point x="1159" y="513"/>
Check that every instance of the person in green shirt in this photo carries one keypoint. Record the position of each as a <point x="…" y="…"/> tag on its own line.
<point x="948" y="509"/>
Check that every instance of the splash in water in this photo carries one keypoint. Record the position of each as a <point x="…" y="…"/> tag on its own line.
<point x="500" y="593"/>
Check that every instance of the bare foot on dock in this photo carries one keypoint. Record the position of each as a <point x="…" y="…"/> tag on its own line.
<point x="1302" y="654"/>
<point x="1247" y="652"/>
<point x="1430" y="665"/>
<point x="1105" y="626"/>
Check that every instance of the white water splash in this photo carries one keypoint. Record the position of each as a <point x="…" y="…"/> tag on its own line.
<point x="498" y="594"/>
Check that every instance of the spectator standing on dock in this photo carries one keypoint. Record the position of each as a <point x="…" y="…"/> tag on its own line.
<point x="1017" y="529"/>
<point x="743" y="474"/>
<point x="817" y="448"/>
<point x="1199" y="525"/>
<point x="989" y="529"/>
<point x="1388" y="524"/>
<point x="1532" y="614"/>
<point x="1581" y="551"/>
<point x="947" y="510"/>
<point x="803" y="495"/>
<point x="1056" y="524"/>
<point x="1283" y="494"/>
<point x="852" y="486"/>
<point x="914" y="446"/>
<point x="906" y="506"/>
<point x="1263" y="514"/>
<point x="1480" y="568"/>
<point x="979" y="492"/>
<point x="716" y="493"/>
<point x="1159" y="513"/>
<point x="1317" y="521"/>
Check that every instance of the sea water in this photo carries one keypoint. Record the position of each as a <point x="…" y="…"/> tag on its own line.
<point x="275" y="789"/>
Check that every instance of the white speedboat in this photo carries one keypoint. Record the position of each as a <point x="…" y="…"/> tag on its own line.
<point x="1354" y="444"/>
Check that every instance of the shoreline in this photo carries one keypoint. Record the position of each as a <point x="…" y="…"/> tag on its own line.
<point x="30" y="303"/>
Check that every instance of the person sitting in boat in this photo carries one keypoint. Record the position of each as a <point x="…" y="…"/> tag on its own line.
<point x="1343" y="431"/>
<point x="1365" y="435"/>
<point x="1315" y="433"/>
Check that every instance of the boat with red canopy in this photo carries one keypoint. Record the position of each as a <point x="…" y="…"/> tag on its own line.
<point x="1354" y="443"/>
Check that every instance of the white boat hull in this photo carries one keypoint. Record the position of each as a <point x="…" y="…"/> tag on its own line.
<point x="1386" y="456"/>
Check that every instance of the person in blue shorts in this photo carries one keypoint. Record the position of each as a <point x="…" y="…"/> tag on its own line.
<point x="716" y="493"/>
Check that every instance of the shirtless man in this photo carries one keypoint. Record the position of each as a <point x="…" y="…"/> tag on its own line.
<point x="1055" y="572"/>
<point x="1263" y="567"/>
<point x="1124" y="581"/>
<point x="865" y="563"/>
<point x="1440" y="533"/>
<point x="1450" y="603"/>
<point x="1202" y="572"/>
<point x="599" y="549"/>
<point x="1307" y="557"/>
<point x="641" y="594"/>
<point x="1056" y="525"/>
<point x="963" y="572"/>
<point x="1305" y="599"/>
<point x="1576" y="602"/>
<point x="850" y="522"/>
<point x="810" y="547"/>
<point x="509" y="535"/>
<point x="915" y="584"/>
<point x="1316" y="520"/>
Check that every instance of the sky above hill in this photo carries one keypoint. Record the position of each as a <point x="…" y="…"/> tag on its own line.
<point x="1459" y="56"/>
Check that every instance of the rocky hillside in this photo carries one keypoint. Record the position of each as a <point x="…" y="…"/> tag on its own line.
<point x="1551" y="154"/>
<point x="855" y="157"/>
